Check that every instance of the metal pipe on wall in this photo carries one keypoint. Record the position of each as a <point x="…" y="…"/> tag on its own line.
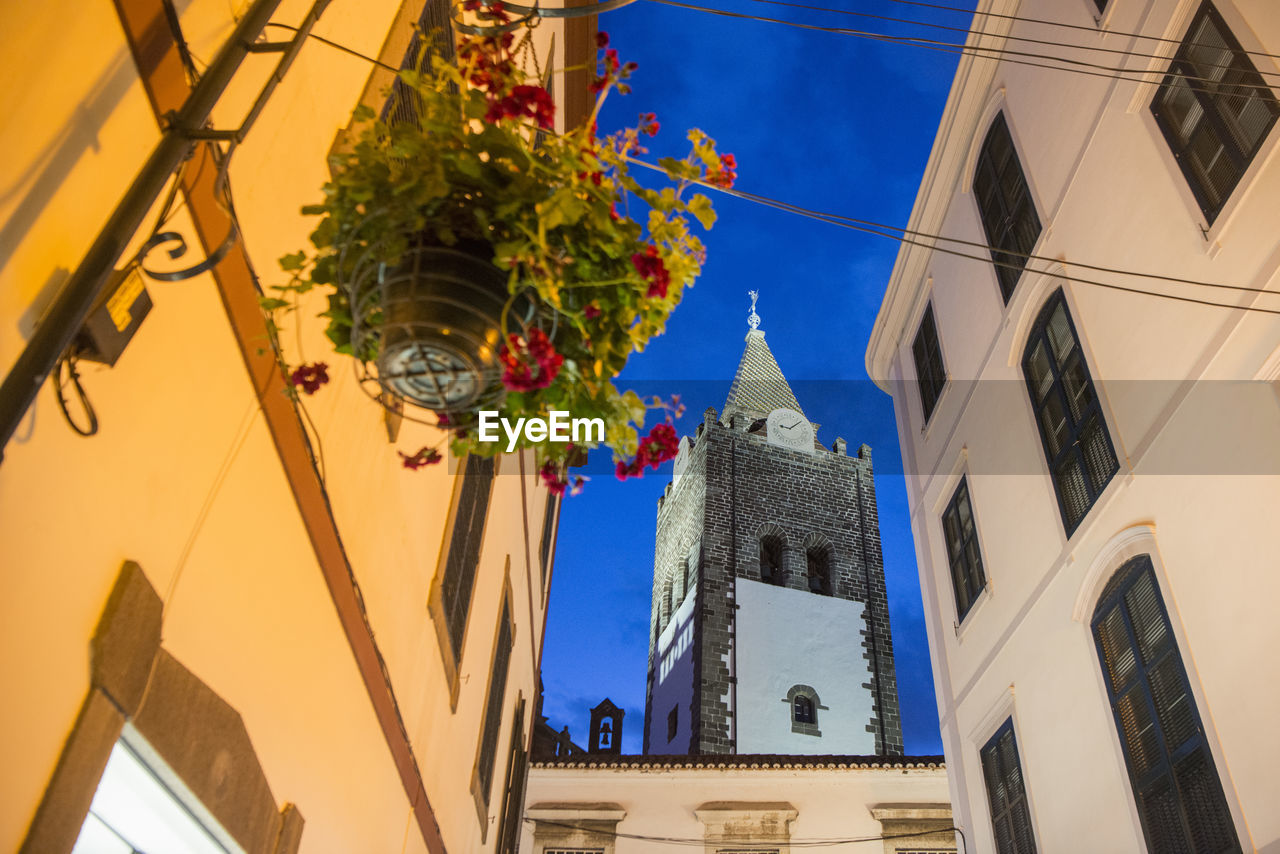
<point x="67" y="314"/>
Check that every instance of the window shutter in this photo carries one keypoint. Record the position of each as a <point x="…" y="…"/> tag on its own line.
<point x="1077" y="447"/>
<point x="465" y="539"/>
<point x="1002" y="771"/>
<point x="1214" y="110"/>
<point x="1175" y="785"/>
<point x="1005" y="206"/>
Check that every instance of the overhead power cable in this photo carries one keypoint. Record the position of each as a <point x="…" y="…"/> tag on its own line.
<point x="1066" y="26"/>
<point x="929" y="241"/>
<point x="1009" y="37"/>
<point x="1075" y="66"/>
<point x="762" y="846"/>
<point x="341" y="47"/>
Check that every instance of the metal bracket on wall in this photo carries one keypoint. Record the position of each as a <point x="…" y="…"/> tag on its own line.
<point x="530" y="15"/>
<point x="67" y="314"/>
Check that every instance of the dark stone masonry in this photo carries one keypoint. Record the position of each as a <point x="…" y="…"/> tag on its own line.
<point x="732" y="488"/>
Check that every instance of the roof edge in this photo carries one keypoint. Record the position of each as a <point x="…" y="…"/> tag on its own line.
<point x="740" y="760"/>
<point x="965" y="104"/>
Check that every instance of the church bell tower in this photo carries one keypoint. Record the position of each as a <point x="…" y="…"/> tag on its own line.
<point x="769" y="628"/>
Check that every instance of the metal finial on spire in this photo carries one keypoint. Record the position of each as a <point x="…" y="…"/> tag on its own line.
<point x="753" y="319"/>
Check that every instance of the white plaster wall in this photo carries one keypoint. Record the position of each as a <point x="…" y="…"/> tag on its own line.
<point x="1193" y="427"/>
<point x="788" y="637"/>
<point x="832" y="803"/>
<point x="673" y="686"/>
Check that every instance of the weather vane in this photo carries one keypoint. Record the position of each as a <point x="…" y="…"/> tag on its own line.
<point x="753" y="319"/>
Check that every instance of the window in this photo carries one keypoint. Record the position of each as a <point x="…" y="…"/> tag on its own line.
<point x="804" y="707"/>
<point x="1003" y="774"/>
<point x="1175" y="784"/>
<point x="771" y="571"/>
<point x="962" y="549"/>
<point x="462" y="556"/>
<point x="513" y="797"/>
<point x="930" y="374"/>
<point x="1072" y="430"/>
<point x="673" y="721"/>
<point x="493" y="711"/>
<point x="818" y="562"/>
<point x="1214" y="110"/>
<point x="549" y="521"/>
<point x="1005" y="205"/>
<point x="131" y="803"/>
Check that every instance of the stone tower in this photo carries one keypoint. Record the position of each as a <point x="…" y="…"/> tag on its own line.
<point x="769" y="630"/>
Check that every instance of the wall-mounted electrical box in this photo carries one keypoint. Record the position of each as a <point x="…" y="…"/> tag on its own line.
<point x="115" y="317"/>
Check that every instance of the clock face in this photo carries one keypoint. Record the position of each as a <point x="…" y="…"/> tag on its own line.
<point x="789" y="429"/>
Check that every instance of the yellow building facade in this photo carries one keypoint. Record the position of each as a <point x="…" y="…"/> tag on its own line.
<point x="309" y="646"/>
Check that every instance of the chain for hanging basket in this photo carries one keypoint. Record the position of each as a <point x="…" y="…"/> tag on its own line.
<point x="529" y="15"/>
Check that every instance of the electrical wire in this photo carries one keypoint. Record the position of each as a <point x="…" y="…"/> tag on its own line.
<point x="340" y="47"/>
<point x="870" y="225"/>
<point x="1007" y="37"/>
<point x="1075" y="66"/>
<point x="69" y="361"/>
<point x="700" y="842"/>
<point x="1063" y="25"/>
<point x="906" y="236"/>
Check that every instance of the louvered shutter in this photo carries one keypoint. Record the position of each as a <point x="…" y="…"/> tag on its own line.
<point x="1179" y="797"/>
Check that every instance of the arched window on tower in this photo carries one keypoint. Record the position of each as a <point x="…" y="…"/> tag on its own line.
<point x="818" y="559"/>
<point x="771" y="571"/>
<point x="804" y="706"/>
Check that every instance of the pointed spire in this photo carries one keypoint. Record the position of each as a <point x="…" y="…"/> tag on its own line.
<point x="759" y="386"/>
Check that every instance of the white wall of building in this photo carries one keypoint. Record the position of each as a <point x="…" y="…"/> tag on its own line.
<point x="673" y="685"/>
<point x="831" y="799"/>
<point x="1189" y="397"/>
<point x="783" y="638"/>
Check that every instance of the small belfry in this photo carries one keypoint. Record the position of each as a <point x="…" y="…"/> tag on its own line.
<point x="769" y="626"/>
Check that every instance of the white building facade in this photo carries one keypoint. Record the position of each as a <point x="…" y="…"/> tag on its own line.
<point x="1091" y="456"/>
<point x="594" y="804"/>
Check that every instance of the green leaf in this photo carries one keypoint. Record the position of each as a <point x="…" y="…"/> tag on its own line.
<point x="700" y="207"/>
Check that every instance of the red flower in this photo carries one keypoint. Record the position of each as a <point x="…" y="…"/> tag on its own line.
<point x="424" y="457"/>
<point x="650" y="267"/>
<point x="591" y="312"/>
<point x="525" y="101"/>
<point x="613" y="212"/>
<point x="310" y="376"/>
<point x="725" y="175"/>
<point x="516" y="355"/>
<point x="602" y="40"/>
<point x="660" y="445"/>
<point x="554" y="479"/>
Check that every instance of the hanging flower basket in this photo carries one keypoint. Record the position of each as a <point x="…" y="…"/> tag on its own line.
<point x="475" y="259"/>
<point x="435" y="322"/>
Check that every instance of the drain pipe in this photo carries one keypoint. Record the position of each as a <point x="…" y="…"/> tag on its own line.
<point x="64" y="318"/>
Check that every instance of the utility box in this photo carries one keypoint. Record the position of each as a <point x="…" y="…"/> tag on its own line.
<point x="115" y="317"/>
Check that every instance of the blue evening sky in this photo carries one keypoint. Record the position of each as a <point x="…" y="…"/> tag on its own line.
<point x="827" y="121"/>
